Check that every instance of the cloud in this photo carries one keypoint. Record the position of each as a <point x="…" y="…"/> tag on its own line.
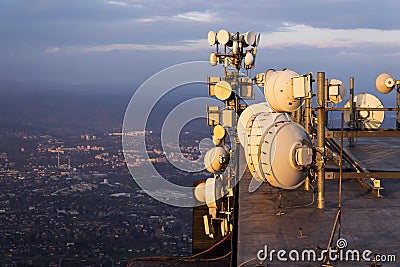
<point x="117" y="3"/>
<point x="123" y="3"/>
<point x="53" y="50"/>
<point x="395" y="54"/>
<point x="285" y="36"/>
<point x="346" y="53"/>
<point x="147" y="20"/>
<point x="196" y="16"/>
<point x="290" y="35"/>
<point x="192" y="16"/>
<point x="185" y="45"/>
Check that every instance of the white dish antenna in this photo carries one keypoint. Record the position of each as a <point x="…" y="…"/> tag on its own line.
<point x="385" y="83"/>
<point x="223" y="37"/>
<point x="213" y="192"/>
<point x="337" y="91"/>
<point x="248" y="59"/>
<point x="366" y="119"/>
<point x="235" y="47"/>
<point x="200" y="192"/>
<point x="258" y="38"/>
<point x="212" y="38"/>
<point x="250" y="38"/>
<point x="216" y="159"/>
<point x="209" y="192"/>
<point x="222" y="90"/>
<point x="218" y="134"/>
<point x="213" y="59"/>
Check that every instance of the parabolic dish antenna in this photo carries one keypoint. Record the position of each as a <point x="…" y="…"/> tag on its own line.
<point x="223" y="90"/>
<point x="385" y="83"/>
<point x="366" y="119"/>
<point x="337" y="91"/>
<point x="212" y="38"/>
<point x="250" y="38"/>
<point x="223" y="37"/>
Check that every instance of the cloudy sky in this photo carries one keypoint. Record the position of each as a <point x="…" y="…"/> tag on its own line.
<point x="126" y="41"/>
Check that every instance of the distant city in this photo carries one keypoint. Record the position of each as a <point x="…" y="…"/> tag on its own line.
<point x="67" y="197"/>
<point x="73" y="201"/>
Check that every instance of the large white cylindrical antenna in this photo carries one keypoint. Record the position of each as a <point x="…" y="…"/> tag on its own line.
<point x="278" y="151"/>
<point x="246" y="119"/>
<point x="278" y="90"/>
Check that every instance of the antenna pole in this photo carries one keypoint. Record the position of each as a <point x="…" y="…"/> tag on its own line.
<point x="338" y="220"/>
<point x="352" y="110"/>
<point x="398" y="107"/>
<point x="307" y="126"/>
<point x="320" y="161"/>
<point x="340" y="173"/>
<point x="307" y="115"/>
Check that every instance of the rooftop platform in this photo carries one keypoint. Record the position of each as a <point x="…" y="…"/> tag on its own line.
<point x="289" y="220"/>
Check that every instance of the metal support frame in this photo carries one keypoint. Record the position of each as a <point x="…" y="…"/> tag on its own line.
<point x="320" y="157"/>
<point x="359" y="109"/>
<point x="363" y="134"/>
<point x="360" y="175"/>
<point x="369" y="183"/>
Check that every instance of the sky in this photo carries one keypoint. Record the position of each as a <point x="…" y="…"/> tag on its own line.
<point x="126" y="41"/>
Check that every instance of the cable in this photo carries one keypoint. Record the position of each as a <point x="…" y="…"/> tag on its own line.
<point x="185" y="258"/>
<point x="311" y="118"/>
<point x="211" y="248"/>
<point x="243" y="263"/>
<point x="212" y="259"/>
<point x="155" y="258"/>
<point x="305" y="205"/>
